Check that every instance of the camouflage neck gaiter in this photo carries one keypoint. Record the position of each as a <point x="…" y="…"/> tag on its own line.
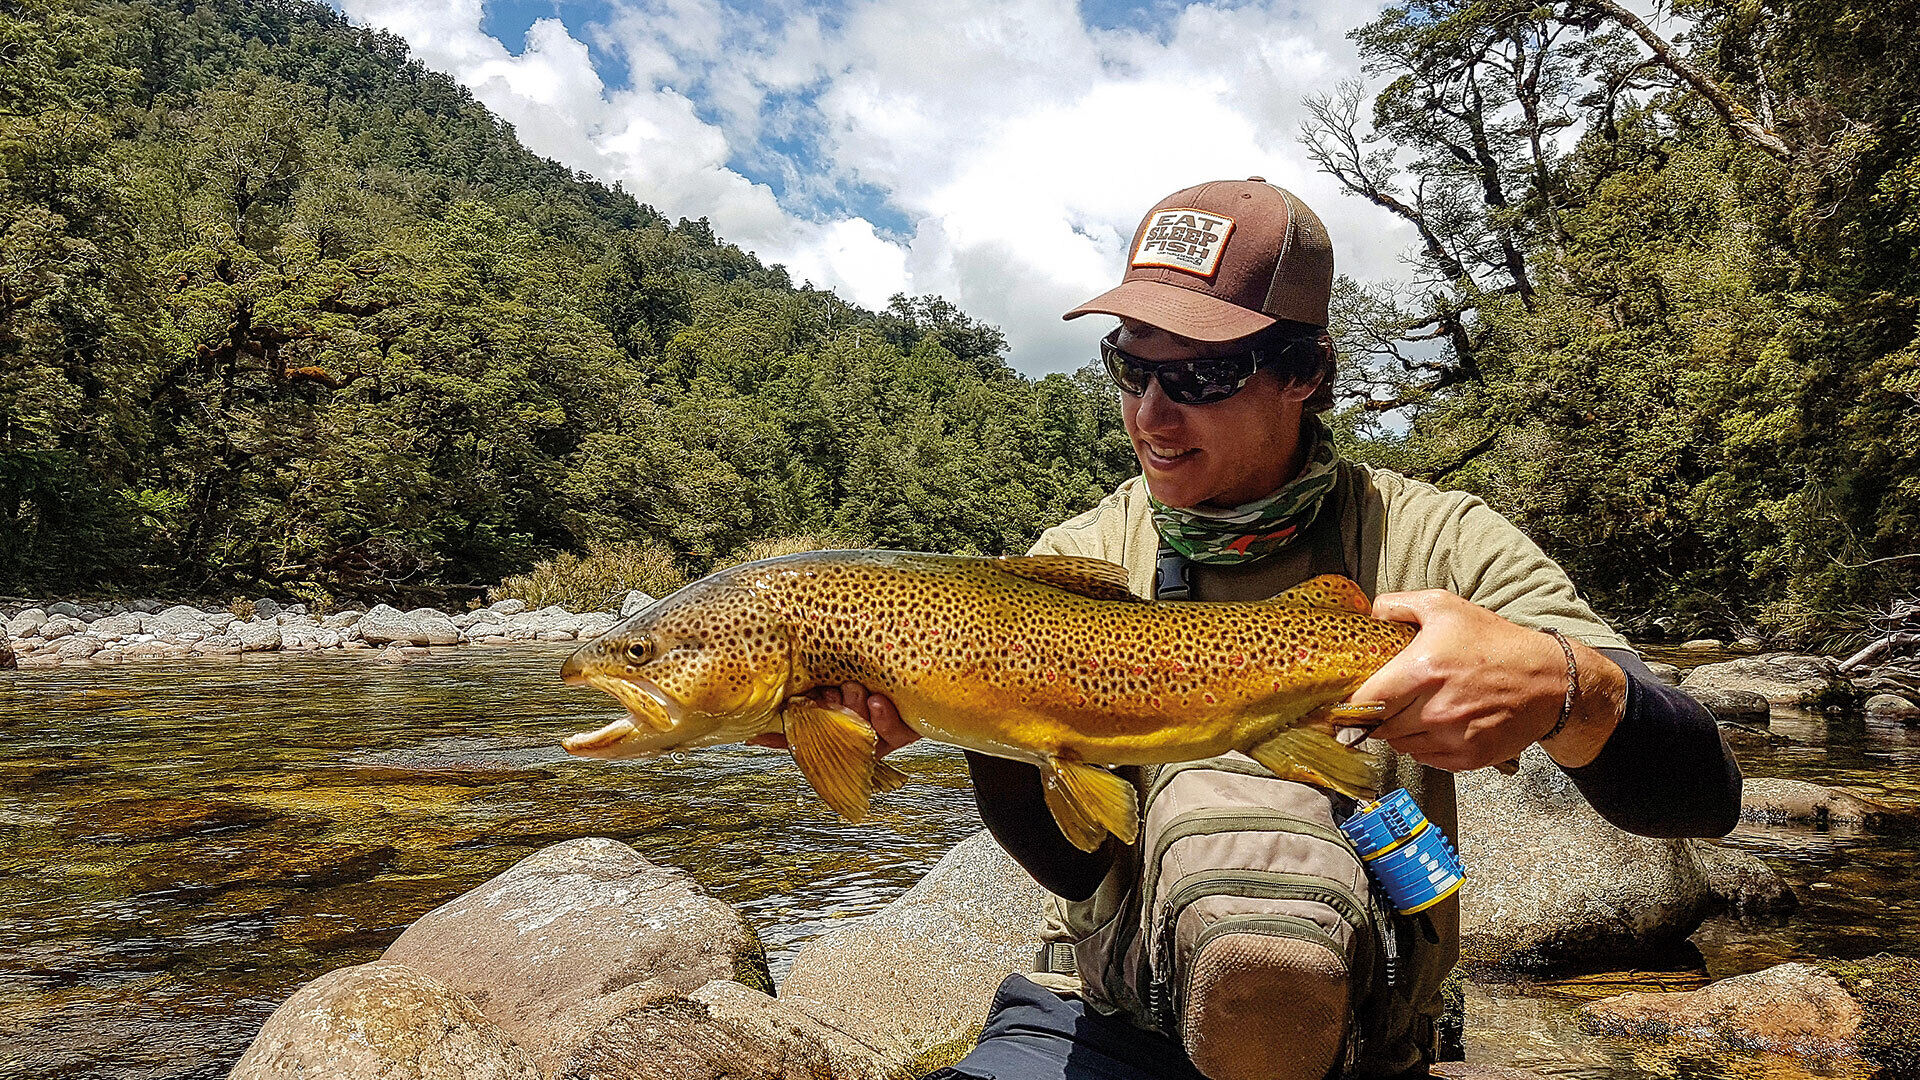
<point x="1259" y="528"/>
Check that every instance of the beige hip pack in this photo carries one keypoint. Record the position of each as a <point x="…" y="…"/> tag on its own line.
<point x="1253" y="937"/>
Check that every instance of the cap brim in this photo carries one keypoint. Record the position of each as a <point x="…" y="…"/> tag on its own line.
<point x="1176" y="310"/>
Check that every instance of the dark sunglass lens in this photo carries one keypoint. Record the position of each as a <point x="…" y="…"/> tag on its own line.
<point x="1203" y="382"/>
<point x="1125" y="372"/>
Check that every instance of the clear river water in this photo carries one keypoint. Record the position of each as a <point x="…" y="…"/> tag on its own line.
<point x="184" y="844"/>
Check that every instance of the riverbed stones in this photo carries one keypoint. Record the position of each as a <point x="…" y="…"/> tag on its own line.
<point x="1555" y="886"/>
<point x="7" y="660"/>
<point x="634" y="602"/>
<point x="386" y="1020"/>
<point x="1781" y="678"/>
<point x="572" y="923"/>
<point x="943" y="946"/>
<point x="1793" y="1009"/>
<point x="421" y="626"/>
<point x="1830" y="1009"/>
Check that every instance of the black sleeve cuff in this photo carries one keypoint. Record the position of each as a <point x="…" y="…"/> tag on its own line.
<point x="1665" y="771"/>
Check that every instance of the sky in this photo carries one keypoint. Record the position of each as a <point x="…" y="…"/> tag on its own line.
<point x="998" y="153"/>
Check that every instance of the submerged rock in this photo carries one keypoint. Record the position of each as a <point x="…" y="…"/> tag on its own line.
<point x="1775" y="801"/>
<point x="381" y="1019"/>
<point x="1866" y="1009"/>
<point x="571" y="924"/>
<point x="944" y="947"/>
<point x="1743" y="886"/>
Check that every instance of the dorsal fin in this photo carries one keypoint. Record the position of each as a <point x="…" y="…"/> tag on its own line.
<point x="1097" y="578"/>
<point x="1327" y="591"/>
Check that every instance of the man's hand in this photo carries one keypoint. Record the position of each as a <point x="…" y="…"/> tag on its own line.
<point x="1473" y="689"/>
<point x="875" y="709"/>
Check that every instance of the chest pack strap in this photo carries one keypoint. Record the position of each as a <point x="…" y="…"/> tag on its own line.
<point x="1170" y="576"/>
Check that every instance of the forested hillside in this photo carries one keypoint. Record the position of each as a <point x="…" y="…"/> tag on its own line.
<point x="1667" y="315"/>
<point x="282" y="309"/>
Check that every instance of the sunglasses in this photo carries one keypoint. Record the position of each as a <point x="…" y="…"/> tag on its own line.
<point x="1185" y="382"/>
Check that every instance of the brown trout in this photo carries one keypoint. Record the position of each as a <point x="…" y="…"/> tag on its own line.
<point x="1046" y="659"/>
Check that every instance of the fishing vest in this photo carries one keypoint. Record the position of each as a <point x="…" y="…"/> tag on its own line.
<point x="1229" y="847"/>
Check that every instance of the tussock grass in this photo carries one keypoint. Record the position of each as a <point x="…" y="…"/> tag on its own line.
<point x="596" y="581"/>
<point x="772" y="547"/>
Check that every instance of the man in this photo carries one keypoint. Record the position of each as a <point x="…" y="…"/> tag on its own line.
<point x="1223" y="362"/>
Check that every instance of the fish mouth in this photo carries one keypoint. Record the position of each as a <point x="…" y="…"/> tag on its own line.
<point x="601" y="742"/>
<point x="650" y="712"/>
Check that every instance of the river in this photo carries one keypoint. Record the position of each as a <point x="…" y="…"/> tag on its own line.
<point x="183" y="844"/>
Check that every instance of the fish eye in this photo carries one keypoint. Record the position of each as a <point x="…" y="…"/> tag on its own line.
<point x="637" y="651"/>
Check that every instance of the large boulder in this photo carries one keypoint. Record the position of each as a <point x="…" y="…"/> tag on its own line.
<point x="571" y="924"/>
<point x="1552" y="885"/>
<point x="722" y="1031"/>
<point x="1781" y="678"/>
<point x="421" y="626"/>
<point x="919" y="974"/>
<point x="384" y="1020"/>
<point x="1831" y="1009"/>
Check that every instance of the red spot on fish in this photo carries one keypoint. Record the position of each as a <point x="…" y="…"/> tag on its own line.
<point x="1301" y="654"/>
<point x="1139" y="669"/>
<point x="1018" y="646"/>
<point x="1179" y="668"/>
<point x="1238" y="659"/>
<point x="1052" y="675"/>
<point x="1211" y="700"/>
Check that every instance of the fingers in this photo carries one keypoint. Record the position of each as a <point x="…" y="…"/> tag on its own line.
<point x="876" y="709"/>
<point x="774" y="739"/>
<point x="893" y="731"/>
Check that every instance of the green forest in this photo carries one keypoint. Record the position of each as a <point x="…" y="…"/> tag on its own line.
<point x="282" y="311"/>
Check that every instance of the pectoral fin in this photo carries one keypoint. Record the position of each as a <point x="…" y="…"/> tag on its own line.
<point x="834" y="750"/>
<point x="1090" y="802"/>
<point x="1313" y="757"/>
<point x="887" y="778"/>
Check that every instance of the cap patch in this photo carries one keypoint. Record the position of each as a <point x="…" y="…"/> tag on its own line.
<point x="1184" y="239"/>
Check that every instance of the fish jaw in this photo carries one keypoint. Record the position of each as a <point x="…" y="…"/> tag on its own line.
<point x="601" y="743"/>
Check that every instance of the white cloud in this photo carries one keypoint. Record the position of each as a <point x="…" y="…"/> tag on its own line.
<point x="1019" y="145"/>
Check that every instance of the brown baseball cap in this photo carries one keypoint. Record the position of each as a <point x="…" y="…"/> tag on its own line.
<point x="1223" y="260"/>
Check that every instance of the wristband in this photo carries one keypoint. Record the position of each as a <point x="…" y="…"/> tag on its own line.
<point x="1573" y="684"/>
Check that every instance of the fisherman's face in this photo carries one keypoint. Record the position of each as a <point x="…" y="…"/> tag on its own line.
<point x="1221" y="454"/>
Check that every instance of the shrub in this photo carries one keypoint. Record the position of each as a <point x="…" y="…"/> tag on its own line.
<point x="596" y="581"/>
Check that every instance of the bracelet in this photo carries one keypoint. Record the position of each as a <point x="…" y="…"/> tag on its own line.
<point x="1573" y="684"/>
